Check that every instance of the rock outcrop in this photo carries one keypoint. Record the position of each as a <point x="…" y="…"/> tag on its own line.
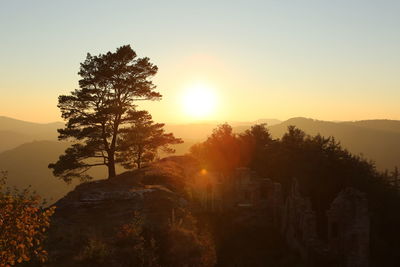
<point x="349" y="228"/>
<point x="347" y="243"/>
<point x="348" y="225"/>
<point x="98" y="209"/>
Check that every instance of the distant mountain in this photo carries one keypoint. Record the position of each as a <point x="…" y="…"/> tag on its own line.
<point x="26" y="160"/>
<point x="10" y="139"/>
<point x="10" y="124"/>
<point x="377" y="140"/>
<point x="27" y="165"/>
<point x="269" y="122"/>
<point x="384" y="125"/>
<point x="16" y="132"/>
<point x="194" y="132"/>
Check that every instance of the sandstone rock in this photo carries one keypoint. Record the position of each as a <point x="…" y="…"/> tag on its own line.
<point x="101" y="207"/>
<point x="349" y="226"/>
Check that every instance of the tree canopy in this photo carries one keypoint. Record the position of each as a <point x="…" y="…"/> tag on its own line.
<point x="140" y="143"/>
<point x="220" y="152"/>
<point x="101" y="108"/>
<point x="322" y="168"/>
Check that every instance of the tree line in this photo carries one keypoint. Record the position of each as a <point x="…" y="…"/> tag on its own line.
<point x="322" y="168"/>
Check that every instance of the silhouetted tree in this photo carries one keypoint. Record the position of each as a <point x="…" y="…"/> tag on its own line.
<point x="322" y="168"/>
<point x="254" y="144"/>
<point x="101" y="107"/>
<point x="141" y="142"/>
<point x="220" y="152"/>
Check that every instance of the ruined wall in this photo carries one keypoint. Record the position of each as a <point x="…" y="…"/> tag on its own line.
<point x="348" y="229"/>
<point x="349" y="224"/>
<point x="299" y="223"/>
<point x="348" y="218"/>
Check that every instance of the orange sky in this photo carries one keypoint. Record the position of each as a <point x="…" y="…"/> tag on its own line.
<point x="263" y="59"/>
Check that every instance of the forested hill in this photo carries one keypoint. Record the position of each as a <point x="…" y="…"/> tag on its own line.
<point x="377" y="140"/>
<point x="26" y="165"/>
<point x="26" y="162"/>
<point x="15" y="132"/>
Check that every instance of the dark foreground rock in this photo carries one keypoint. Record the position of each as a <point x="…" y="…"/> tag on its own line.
<point x="148" y="204"/>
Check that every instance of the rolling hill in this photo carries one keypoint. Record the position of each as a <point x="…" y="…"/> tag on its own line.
<point x="27" y="165"/>
<point x="16" y="132"/>
<point x="27" y="148"/>
<point x="377" y="140"/>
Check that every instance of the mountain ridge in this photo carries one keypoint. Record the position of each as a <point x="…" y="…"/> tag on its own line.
<point x="26" y="157"/>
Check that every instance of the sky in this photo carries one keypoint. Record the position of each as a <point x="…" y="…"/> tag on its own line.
<point x="327" y="60"/>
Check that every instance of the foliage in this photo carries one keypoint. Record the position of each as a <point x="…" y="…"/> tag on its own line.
<point x="101" y="107"/>
<point x="320" y="164"/>
<point x="224" y="151"/>
<point x="96" y="252"/>
<point x="253" y="144"/>
<point x="128" y="247"/>
<point x="131" y="238"/>
<point x="220" y="152"/>
<point x="187" y="246"/>
<point x="22" y="225"/>
<point x="323" y="168"/>
<point x="140" y="143"/>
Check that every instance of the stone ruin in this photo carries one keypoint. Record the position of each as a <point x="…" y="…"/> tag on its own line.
<point x="298" y="224"/>
<point x="207" y="189"/>
<point x="245" y="190"/>
<point x="348" y="220"/>
<point x="348" y="227"/>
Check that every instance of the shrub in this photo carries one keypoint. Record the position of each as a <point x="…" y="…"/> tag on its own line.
<point x="23" y="224"/>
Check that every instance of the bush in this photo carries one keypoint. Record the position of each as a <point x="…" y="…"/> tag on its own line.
<point x="23" y="224"/>
<point x="128" y="247"/>
<point x="187" y="246"/>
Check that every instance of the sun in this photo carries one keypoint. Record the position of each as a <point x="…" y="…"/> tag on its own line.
<point x="199" y="101"/>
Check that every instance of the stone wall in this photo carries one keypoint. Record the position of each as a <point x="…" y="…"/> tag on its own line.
<point x="348" y="219"/>
<point x="348" y="229"/>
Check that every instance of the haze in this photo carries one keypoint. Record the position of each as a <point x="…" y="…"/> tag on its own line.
<point x="329" y="60"/>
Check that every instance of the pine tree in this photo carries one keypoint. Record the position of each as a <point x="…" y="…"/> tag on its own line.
<point x="100" y="109"/>
<point x="141" y="142"/>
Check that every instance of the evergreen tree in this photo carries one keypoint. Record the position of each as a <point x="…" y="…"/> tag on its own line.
<point x="101" y="108"/>
<point x="220" y="152"/>
<point x="141" y="142"/>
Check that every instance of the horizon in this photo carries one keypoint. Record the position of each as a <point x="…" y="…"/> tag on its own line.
<point x="215" y="122"/>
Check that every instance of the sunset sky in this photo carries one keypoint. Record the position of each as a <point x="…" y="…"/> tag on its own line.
<point x="328" y="60"/>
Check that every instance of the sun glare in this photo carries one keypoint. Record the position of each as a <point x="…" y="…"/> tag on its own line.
<point x="199" y="101"/>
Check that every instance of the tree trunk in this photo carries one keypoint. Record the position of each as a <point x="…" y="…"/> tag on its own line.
<point x="111" y="165"/>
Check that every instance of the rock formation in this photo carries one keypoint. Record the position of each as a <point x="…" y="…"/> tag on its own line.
<point x="348" y="229"/>
<point x="98" y="210"/>
<point x="347" y="244"/>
